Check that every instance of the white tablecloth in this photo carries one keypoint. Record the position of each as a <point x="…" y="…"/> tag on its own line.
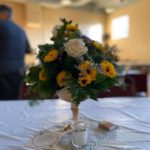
<point x="19" y="121"/>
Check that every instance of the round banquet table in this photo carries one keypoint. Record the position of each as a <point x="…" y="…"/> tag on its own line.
<point x="19" y="121"/>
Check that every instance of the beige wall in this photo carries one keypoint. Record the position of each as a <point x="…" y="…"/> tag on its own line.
<point x="83" y="18"/>
<point x="50" y="17"/>
<point x="18" y="11"/>
<point x="137" y="46"/>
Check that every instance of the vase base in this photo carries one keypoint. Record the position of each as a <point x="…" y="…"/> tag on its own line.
<point x="78" y="146"/>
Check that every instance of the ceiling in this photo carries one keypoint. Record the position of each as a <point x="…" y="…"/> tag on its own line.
<point x="106" y="6"/>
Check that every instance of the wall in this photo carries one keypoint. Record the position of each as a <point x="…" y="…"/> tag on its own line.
<point x="137" y="46"/>
<point x="18" y="11"/>
<point x="50" y="17"/>
<point x="83" y="18"/>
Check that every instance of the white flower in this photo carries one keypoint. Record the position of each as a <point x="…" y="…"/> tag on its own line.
<point x="55" y="30"/>
<point x="75" y="48"/>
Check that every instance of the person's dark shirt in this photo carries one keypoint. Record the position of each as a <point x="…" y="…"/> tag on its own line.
<point x="13" y="46"/>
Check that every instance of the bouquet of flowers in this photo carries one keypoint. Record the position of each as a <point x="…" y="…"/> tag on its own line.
<point x="74" y="62"/>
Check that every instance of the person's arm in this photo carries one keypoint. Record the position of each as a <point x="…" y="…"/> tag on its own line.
<point x="28" y="47"/>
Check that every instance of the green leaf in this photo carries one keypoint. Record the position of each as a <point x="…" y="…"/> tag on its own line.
<point x="100" y="78"/>
<point x="45" y="47"/>
<point x="69" y="64"/>
<point x="78" y="94"/>
<point x="33" y="75"/>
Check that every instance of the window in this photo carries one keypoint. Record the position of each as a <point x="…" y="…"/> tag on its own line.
<point x="95" y="32"/>
<point x="120" y="27"/>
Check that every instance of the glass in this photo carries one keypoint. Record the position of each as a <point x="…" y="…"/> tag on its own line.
<point x="79" y="134"/>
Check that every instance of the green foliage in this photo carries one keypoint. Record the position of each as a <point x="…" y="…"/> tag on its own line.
<point x="68" y="64"/>
<point x="100" y="78"/>
<point x="76" y="91"/>
<point x="33" y="75"/>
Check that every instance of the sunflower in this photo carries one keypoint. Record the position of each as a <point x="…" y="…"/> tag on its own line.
<point x="61" y="77"/>
<point x="92" y="73"/>
<point x="84" y="80"/>
<point x="71" y="27"/>
<point x="51" y="56"/>
<point x="86" y="69"/>
<point x="108" y="69"/>
<point x="84" y="65"/>
<point x="42" y="75"/>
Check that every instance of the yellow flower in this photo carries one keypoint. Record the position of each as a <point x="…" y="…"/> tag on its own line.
<point x="71" y="27"/>
<point x="92" y="73"/>
<point x="61" y="77"/>
<point x="85" y="65"/>
<point x="51" y="56"/>
<point x="86" y="69"/>
<point x="84" y="80"/>
<point x="108" y="69"/>
<point x="42" y="75"/>
<point x="98" y="46"/>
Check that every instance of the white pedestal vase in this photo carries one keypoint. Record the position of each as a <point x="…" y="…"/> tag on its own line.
<point x="66" y="96"/>
<point x="79" y="128"/>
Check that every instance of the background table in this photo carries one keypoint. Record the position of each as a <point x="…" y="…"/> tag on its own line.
<point x="19" y="121"/>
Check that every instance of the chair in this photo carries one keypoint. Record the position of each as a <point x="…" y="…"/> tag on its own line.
<point x="134" y="85"/>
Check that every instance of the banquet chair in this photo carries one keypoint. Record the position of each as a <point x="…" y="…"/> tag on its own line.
<point x="141" y="83"/>
<point x="128" y="91"/>
<point x="134" y="85"/>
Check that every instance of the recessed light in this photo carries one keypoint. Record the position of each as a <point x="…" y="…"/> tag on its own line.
<point x="66" y="2"/>
<point x="109" y="10"/>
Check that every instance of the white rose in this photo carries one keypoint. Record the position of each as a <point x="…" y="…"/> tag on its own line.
<point x="55" y="30"/>
<point x="75" y="48"/>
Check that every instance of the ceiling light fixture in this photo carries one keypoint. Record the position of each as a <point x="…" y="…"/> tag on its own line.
<point x="66" y="2"/>
<point x="109" y="10"/>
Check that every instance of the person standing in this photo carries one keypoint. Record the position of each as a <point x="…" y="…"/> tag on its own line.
<point x="13" y="46"/>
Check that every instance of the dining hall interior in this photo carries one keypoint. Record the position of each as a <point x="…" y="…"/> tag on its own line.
<point x="122" y="25"/>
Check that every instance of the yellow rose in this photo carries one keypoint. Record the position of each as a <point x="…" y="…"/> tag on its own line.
<point x="108" y="69"/>
<point x="98" y="46"/>
<point x="71" y="27"/>
<point x="61" y="77"/>
<point x="42" y="75"/>
<point x="84" y="80"/>
<point x="51" y="56"/>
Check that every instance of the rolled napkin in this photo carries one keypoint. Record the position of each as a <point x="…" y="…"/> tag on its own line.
<point x="107" y="125"/>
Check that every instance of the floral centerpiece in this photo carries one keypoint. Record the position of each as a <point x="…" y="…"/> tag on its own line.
<point x="74" y="67"/>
